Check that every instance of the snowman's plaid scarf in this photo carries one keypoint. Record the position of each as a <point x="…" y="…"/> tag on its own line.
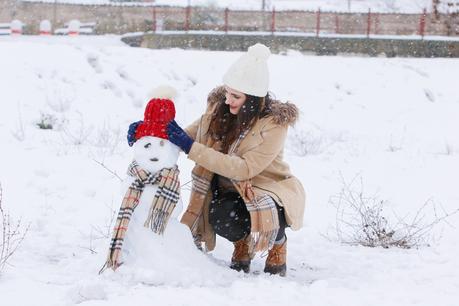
<point x="163" y="204"/>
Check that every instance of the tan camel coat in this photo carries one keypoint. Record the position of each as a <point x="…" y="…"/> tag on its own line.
<point x="257" y="163"/>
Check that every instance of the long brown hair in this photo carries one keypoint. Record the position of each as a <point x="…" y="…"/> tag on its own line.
<point x="226" y="127"/>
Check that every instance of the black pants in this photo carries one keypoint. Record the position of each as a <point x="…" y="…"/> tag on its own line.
<point x="230" y="218"/>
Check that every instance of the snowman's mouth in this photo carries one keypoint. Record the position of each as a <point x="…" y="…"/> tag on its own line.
<point x="154" y="159"/>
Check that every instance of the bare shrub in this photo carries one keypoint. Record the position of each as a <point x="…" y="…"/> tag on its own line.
<point x="361" y="219"/>
<point x="60" y="98"/>
<point x="449" y="149"/>
<point x="313" y="140"/>
<point x="106" y="139"/>
<point x="306" y="143"/>
<point x="98" y="232"/>
<point x="19" y="132"/>
<point x="12" y="233"/>
<point x="78" y="135"/>
<point x="395" y="145"/>
<point x="46" y="122"/>
<point x="105" y="232"/>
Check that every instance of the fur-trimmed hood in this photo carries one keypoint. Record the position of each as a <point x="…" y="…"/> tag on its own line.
<point x="282" y="113"/>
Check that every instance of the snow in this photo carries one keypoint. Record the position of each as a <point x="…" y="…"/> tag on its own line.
<point x="392" y="122"/>
<point x="381" y="6"/>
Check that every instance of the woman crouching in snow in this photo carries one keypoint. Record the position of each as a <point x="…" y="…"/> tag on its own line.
<point x="242" y="189"/>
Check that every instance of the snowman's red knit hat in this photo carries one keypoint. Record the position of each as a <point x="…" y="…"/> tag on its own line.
<point x="159" y="112"/>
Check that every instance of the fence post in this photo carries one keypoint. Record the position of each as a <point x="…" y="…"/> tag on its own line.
<point x="187" y="18"/>
<point x="226" y="19"/>
<point x="318" y="22"/>
<point x="336" y="23"/>
<point x="55" y="12"/>
<point x="422" y="23"/>
<point x="369" y="23"/>
<point x="273" y="21"/>
<point x="153" y="24"/>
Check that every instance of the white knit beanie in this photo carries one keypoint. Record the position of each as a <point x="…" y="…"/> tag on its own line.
<point x="249" y="74"/>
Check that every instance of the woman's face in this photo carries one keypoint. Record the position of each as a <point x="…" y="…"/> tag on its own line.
<point x="234" y="99"/>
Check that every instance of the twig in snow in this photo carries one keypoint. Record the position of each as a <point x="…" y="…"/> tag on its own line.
<point x="109" y="170"/>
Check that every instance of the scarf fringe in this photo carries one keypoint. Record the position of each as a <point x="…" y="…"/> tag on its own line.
<point x="261" y="241"/>
<point x="109" y="264"/>
<point x="158" y="219"/>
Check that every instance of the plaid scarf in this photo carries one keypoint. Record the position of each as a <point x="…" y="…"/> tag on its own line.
<point x="163" y="204"/>
<point x="264" y="222"/>
<point x="264" y="218"/>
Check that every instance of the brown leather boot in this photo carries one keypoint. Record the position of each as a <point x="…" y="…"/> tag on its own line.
<point x="276" y="263"/>
<point x="241" y="257"/>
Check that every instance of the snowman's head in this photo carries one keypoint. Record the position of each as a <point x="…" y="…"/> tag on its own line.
<point x="152" y="150"/>
<point x="154" y="153"/>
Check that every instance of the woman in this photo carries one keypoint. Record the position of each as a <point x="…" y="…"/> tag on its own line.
<point x="242" y="189"/>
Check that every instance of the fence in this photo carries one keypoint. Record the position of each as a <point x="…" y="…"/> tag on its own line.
<point x="202" y="19"/>
<point x="118" y="18"/>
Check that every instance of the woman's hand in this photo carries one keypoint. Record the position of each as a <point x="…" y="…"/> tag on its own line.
<point x="179" y="137"/>
<point x="131" y="132"/>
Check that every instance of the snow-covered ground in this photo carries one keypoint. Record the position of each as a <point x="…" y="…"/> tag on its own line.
<point x="390" y="122"/>
<point x="382" y="6"/>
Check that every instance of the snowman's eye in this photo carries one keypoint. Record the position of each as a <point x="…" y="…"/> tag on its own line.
<point x="161" y="143"/>
<point x="147" y="145"/>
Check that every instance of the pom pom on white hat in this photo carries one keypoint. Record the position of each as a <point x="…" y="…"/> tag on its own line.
<point x="163" y="92"/>
<point x="250" y="74"/>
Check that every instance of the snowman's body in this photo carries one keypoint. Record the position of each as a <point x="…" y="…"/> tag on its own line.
<point x="147" y="257"/>
<point x="141" y="243"/>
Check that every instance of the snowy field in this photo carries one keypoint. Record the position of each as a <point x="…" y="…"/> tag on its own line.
<point x="381" y="6"/>
<point x="391" y="123"/>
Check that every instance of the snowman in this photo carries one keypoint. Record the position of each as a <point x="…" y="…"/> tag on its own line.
<point x="151" y="191"/>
